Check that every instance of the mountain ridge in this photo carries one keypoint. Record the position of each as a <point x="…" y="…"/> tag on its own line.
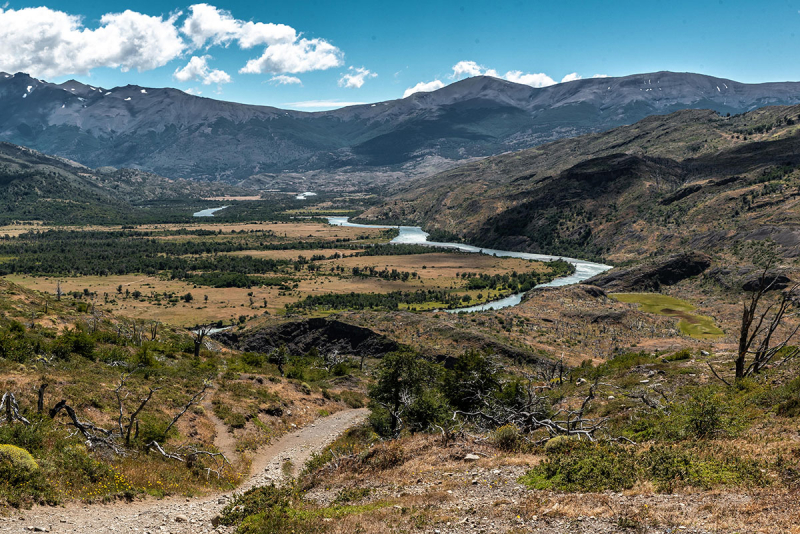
<point x="172" y="133"/>
<point x="689" y="179"/>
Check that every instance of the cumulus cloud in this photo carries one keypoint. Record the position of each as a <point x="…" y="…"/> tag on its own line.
<point x="539" y="79"/>
<point x="46" y="43"/>
<point x="198" y="70"/>
<point x="571" y="77"/>
<point x="285" y="51"/>
<point x="301" y="56"/>
<point x="467" y="68"/>
<point x="471" y="68"/>
<point x="600" y="76"/>
<point x="208" y="24"/>
<point x="423" y="87"/>
<point x="356" y="77"/>
<point x="283" y="79"/>
<point x="193" y="91"/>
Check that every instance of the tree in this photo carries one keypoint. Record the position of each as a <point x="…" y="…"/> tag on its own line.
<point x="279" y="357"/>
<point x="403" y="379"/>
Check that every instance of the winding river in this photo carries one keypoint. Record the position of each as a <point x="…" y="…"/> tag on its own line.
<point x="415" y="235"/>
<point x="208" y="212"/>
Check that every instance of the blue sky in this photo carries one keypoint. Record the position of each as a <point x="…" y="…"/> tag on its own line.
<point x="366" y="51"/>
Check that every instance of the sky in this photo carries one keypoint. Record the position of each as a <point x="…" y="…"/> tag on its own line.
<point x="313" y="54"/>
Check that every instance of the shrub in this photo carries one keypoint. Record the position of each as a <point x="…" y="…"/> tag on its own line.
<point x="673" y="467"/>
<point x="16" y="464"/>
<point x="352" y="399"/>
<point x="560" y="444"/>
<point x="252" y="502"/>
<point x="589" y="467"/>
<point x="507" y="438"/>
<point x="385" y="456"/>
<point x="683" y="354"/>
<point x="704" y="414"/>
<point x="351" y="494"/>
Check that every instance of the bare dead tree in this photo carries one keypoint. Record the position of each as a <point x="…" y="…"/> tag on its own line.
<point x="761" y="337"/>
<point x="40" y="398"/>
<point x="332" y="359"/>
<point x="9" y="404"/>
<point x="197" y="398"/>
<point x="154" y="330"/>
<point x="189" y="455"/>
<point x="531" y="414"/>
<point x="98" y="436"/>
<point x="125" y="429"/>
<point x="59" y="293"/>
<point x="200" y="333"/>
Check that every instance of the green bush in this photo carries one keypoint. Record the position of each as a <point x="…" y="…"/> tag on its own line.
<point x="252" y="502"/>
<point x="561" y="444"/>
<point x="674" y="467"/>
<point x="16" y="464"/>
<point x="587" y="467"/>
<point x="351" y="494"/>
<point x="683" y="354"/>
<point x="704" y="414"/>
<point x="352" y="398"/>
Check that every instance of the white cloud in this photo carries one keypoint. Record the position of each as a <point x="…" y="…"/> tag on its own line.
<point x="301" y="56"/>
<point x="46" y="43"/>
<point x="285" y="51"/>
<point x="193" y="91"/>
<point x="571" y="77"/>
<point x="356" y="77"/>
<point x="423" y="87"/>
<point x="322" y="104"/>
<point x="198" y="70"/>
<point x="208" y="24"/>
<point x="467" y="68"/>
<point x="471" y="68"/>
<point x="283" y="79"/>
<point x="600" y="76"/>
<point x="533" y="79"/>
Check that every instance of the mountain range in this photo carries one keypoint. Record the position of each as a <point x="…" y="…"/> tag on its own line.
<point x="174" y="134"/>
<point x="690" y="180"/>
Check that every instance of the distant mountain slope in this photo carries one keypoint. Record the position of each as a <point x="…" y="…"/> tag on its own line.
<point x="35" y="186"/>
<point x="692" y="179"/>
<point x="175" y="134"/>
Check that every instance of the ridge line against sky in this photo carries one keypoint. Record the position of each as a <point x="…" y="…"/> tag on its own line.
<point x="317" y="55"/>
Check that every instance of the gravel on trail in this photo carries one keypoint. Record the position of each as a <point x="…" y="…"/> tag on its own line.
<point x="181" y="515"/>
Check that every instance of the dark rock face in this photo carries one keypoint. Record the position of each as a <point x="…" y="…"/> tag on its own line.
<point x="771" y="282"/>
<point x="651" y="277"/>
<point x="748" y="278"/>
<point x="324" y="334"/>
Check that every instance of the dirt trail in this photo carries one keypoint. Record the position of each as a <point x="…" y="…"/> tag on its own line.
<point x="183" y="515"/>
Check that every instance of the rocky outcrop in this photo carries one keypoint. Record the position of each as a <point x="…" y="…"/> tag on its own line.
<point x="652" y="276"/>
<point x="326" y="335"/>
<point x="748" y="278"/>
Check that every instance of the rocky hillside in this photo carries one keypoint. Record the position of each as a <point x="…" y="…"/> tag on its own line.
<point x="179" y="135"/>
<point x="692" y="179"/>
<point x="35" y="186"/>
